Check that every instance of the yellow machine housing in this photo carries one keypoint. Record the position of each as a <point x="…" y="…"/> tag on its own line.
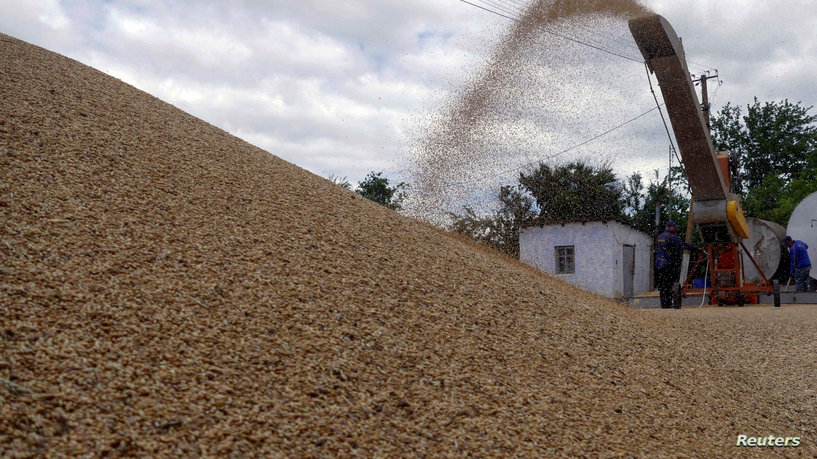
<point x="737" y="219"/>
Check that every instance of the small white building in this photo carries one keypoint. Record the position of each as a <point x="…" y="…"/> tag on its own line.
<point x="608" y="258"/>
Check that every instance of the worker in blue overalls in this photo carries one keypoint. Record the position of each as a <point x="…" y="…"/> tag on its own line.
<point x="668" y="262"/>
<point x="799" y="264"/>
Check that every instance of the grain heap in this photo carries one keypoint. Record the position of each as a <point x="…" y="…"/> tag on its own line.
<point x="168" y="289"/>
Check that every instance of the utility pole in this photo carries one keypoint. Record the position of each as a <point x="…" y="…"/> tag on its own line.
<point x="655" y="235"/>
<point x="705" y="96"/>
<point x="705" y="100"/>
<point x="657" y="211"/>
<point x="690" y="226"/>
<point x="669" y="184"/>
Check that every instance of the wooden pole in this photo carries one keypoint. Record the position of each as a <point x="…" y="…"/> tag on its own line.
<point x="688" y="240"/>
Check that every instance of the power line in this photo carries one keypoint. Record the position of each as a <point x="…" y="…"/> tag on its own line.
<point x="577" y="37"/>
<point x="513" y="4"/>
<point x="563" y="151"/>
<point x="512" y="18"/>
<point x="700" y="66"/>
<point x="658" y="107"/>
<point x="715" y="93"/>
<point x="490" y="11"/>
<point x="627" y="43"/>
<point x="509" y="12"/>
<point x="624" y="51"/>
<point x="503" y="8"/>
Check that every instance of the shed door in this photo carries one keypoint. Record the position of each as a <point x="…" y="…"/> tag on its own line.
<point x="628" y="270"/>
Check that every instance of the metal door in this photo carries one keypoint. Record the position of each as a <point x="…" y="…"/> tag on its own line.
<point x="628" y="270"/>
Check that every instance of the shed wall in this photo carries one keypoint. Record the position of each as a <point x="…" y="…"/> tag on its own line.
<point x="599" y="249"/>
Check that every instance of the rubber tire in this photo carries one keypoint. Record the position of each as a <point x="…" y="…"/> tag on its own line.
<point x="776" y="292"/>
<point x="676" y="295"/>
<point x="741" y="300"/>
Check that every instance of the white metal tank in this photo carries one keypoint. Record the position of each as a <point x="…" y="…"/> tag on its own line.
<point x="803" y="227"/>
<point x="764" y="246"/>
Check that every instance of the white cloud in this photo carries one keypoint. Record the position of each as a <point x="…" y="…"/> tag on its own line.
<point x="207" y="46"/>
<point x="51" y="14"/>
<point x="346" y="87"/>
<point x="283" y="43"/>
<point x="39" y="20"/>
<point x="333" y="86"/>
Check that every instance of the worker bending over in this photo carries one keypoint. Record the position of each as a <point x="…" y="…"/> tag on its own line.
<point x="800" y="265"/>
<point x="668" y="262"/>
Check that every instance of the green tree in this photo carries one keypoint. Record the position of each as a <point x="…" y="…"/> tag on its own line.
<point x="342" y="182"/>
<point x="375" y="187"/>
<point x="633" y="194"/>
<point x="776" y="198"/>
<point x="782" y="137"/>
<point x="575" y="192"/>
<point x="776" y="144"/>
<point x="728" y="131"/>
<point x="499" y="230"/>
<point x="674" y="206"/>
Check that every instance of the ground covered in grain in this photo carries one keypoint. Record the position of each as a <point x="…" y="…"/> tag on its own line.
<point x="168" y="289"/>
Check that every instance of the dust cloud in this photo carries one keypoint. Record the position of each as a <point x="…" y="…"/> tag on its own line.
<point x="535" y="94"/>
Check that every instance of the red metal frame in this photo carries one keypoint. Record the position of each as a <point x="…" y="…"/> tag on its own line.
<point x="726" y="276"/>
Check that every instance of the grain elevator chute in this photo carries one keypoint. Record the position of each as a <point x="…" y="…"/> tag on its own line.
<point x="717" y="210"/>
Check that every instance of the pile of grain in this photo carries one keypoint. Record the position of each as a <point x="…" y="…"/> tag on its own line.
<point x="166" y="288"/>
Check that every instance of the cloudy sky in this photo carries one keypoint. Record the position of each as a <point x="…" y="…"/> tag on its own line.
<point x="343" y="87"/>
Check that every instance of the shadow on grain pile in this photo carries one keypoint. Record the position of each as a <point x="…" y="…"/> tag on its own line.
<point x="170" y="289"/>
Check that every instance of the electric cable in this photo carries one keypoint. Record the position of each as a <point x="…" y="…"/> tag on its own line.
<point x="501" y="7"/>
<point x="715" y="92"/>
<point x="507" y="11"/>
<point x="666" y="127"/>
<point x="510" y="5"/>
<point x="700" y="66"/>
<point x="516" y="3"/>
<point x="490" y="10"/>
<point x="579" y="31"/>
<point x="506" y="16"/>
<point x="627" y="42"/>
<point x="560" y="152"/>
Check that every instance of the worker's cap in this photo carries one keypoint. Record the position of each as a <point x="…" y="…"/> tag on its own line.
<point x="672" y="223"/>
<point x="786" y="239"/>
